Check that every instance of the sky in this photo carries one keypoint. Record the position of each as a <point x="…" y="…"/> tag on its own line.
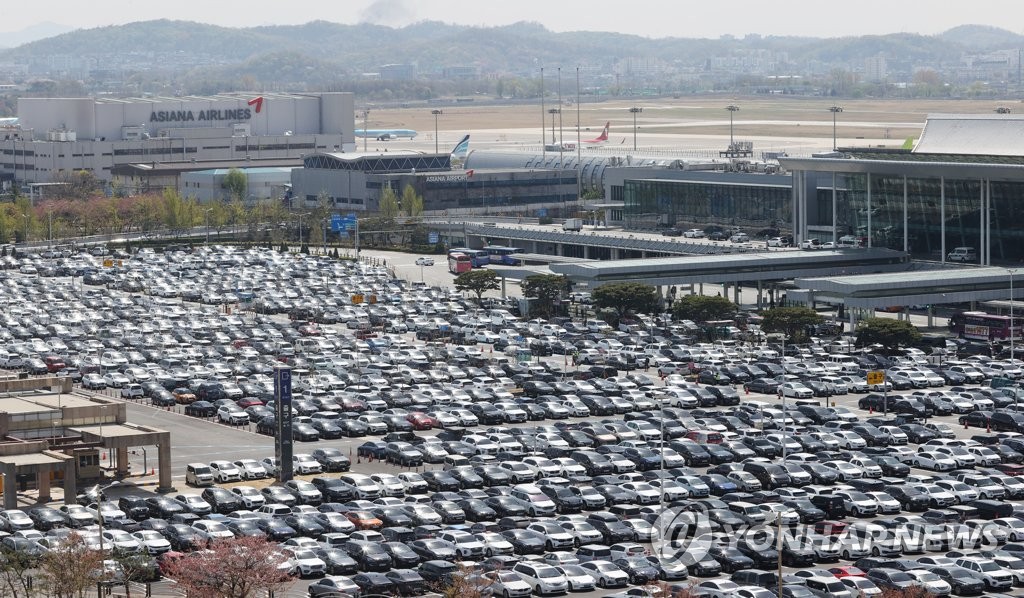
<point x="649" y="18"/>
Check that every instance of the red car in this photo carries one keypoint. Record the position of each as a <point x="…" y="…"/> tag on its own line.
<point x="1014" y="469"/>
<point x="420" y="421"/>
<point x="248" y="402"/>
<point x="829" y="527"/>
<point x="850" y="571"/>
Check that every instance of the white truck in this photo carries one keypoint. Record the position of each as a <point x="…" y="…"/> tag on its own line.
<point x="573" y="224"/>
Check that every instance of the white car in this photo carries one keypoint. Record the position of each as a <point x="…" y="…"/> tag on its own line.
<point x="132" y="391"/>
<point x="494" y="543"/>
<point x="304" y="464"/>
<point x="508" y="584"/>
<point x="250" y="497"/>
<point x="606" y="574"/>
<point x="251" y="469"/>
<point x="413" y="482"/>
<point x="213" y="530"/>
<point x="578" y="577"/>
<point x="424" y="261"/>
<point x="153" y="542"/>
<point x="796" y="390"/>
<point x="304" y="562"/>
<point x="225" y="471"/>
<point x="777" y="242"/>
<point x="933" y="461"/>
<point x="694" y="233"/>
<point x="717" y="588"/>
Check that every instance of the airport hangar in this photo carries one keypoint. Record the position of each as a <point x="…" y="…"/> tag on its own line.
<point x="58" y="136"/>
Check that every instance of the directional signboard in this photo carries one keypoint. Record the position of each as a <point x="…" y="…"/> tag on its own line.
<point x="433" y="237"/>
<point x="336" y="223"/>
<point x="283" y="421"/>
<point x="876" y="377"/>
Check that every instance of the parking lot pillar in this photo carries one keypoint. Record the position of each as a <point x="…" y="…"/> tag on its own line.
<point x="70" y="482"/>
<point x="163" y="452"/>
<point x="43" y="484"/>
<point x="10" y="486"/>
<point x="122" y="460"/>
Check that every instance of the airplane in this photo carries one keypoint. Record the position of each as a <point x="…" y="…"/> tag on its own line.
<point x="386" y="134"/>
<point x="460" y="151"/>
<point x="600" y="138"/>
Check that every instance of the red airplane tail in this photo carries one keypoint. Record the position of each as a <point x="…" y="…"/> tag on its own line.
<point x="601" y="138"/>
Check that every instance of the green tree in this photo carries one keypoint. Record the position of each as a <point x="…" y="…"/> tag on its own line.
<point x="236" y="184"/>
<point x="478" y="282"/>
<point x="701" y="308"/>
<point x="626" y="297"/>
<point x="791" y="321"/>
<point x="388" y="204"/>
<point x="891" y="334"/>
<point x="547" y="288"/>
<point x="412" y="203"/>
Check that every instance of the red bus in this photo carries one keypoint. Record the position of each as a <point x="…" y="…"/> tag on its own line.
<point x="459" y="263"/>
<point x="981" y="326"/>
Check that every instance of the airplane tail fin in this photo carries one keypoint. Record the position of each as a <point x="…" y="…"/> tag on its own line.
<point x="604" y="133"/>
<point x="460" y="151"/>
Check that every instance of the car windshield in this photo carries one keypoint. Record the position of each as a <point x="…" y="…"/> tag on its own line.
<point x="547" y="572"/>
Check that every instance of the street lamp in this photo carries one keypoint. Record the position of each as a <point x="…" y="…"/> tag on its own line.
<point x="26" y="227"/>
<point x="834" y="110"/>
<point x="95" y="494"/>
<point x="207" y="214"/>
<point x="634" y="111"/>
<point x="436" y="113"/>
<point x="731" y="108"/>
<point x="1012" y="272"/>
<point x="553" y="112"/>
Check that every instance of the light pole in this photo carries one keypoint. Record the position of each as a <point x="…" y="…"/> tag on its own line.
<point x="96" y="494"/>
<point x="634" y="111"/>
<point x="26" y="227"/>
<point x="1012" y="272"/>
<point x="834" y="110"/>
<point x="300" y="227"/>
<point x="731" y="108"/>
<point x="207" y="214"/>
<point x="366" y="118"/>
<point x="553" y="112"/>
<point x="436" y="113"/>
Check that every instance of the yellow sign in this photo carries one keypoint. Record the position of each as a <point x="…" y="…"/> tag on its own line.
<point x="876" y="377"/>
<point x="357" y="299"/>
<point x="373" y="299"/>
<point x="108" y="263"/>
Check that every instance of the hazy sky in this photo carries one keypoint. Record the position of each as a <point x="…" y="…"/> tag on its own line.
<point x="651" y="18"/>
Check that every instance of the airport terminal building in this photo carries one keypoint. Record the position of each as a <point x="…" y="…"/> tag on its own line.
<point x="57" y="136"/>
<point x="355" y="181"/>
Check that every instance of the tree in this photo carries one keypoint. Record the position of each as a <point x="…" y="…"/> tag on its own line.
<point x="791" y="321"/>
<point x="388" y="204"/>
<point x="478" y="282"/>
<point x="16" y="573"/>
<point x="701" y="308"/>
<point x="547" y="288"/>
<point x="412" y="203"/>
<point x="466" y="583"/>
<point x="70" y="569"/>
<point x="891" y="334"/>
<point x="237" y="568"/>
<point x="236" y="184"/>
<point x="626" y="297"/>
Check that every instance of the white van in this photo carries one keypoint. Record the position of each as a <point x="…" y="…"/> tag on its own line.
<point x="198" y="474"/>
<point x="846" y="363"/>
<point x="962" y="254"/>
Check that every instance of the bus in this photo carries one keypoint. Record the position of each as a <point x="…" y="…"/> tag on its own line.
<point x="459" y="263"/>
<point x="504" y="255"/>
<point x="981" y="326"/>
<point x="478" y="257"/>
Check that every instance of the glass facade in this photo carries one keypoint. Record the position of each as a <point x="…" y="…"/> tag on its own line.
<point x="651" y="203"/>
<point x="924" y="213"/>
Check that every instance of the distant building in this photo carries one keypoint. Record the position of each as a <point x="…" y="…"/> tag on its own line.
<point x="875" y="69"/>
<point x="262" y="183"/>
<point x="398" y="72"/>
<point x="57" y="136"/>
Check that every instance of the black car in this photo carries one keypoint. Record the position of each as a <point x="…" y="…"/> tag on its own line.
<point x="407" y="582"/>
<point x="730" y="558"/>
<point x="331" y="459"/>
<point x="525" y="541"/>
<point x="222" y="500"/>
<point x="374" y="583"/>
<point x="333" y="489"/>
<point x="244" y="528"/>
<point x="639" y="569"/>
<point x="46" y="518"/>
<point x="338" y="561"/>
<point x="566" y="501"/>
<point x="762" y="385"/>
<point x="477" y="510"/>
<point x="182" y="538"/>
<point x="764" y="558"/>
<point x="201" y="409"/>
<point x="401" y="555"/>
<point x="276" y="529"/>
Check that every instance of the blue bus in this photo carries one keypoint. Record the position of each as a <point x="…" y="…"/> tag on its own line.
<point x="504" y="255"/>
<point x="478" y="257"/>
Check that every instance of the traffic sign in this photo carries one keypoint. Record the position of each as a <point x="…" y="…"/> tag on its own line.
<point x="433" y="237"/>
<point x="336" y="222"/>
<point x="876" y="377"/>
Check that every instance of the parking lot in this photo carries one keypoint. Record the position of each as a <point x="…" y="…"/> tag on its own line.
<point x="469" y="434"/>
